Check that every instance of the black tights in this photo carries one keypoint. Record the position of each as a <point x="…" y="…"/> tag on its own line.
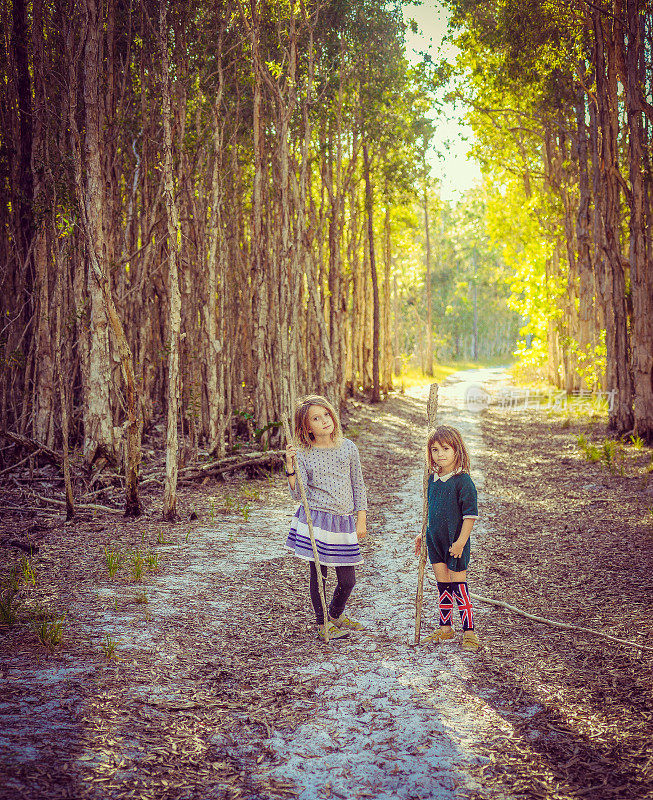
<point x="346" y="582"/>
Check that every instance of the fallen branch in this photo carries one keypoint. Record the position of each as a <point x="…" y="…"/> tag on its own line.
<point x="33" y="446"/>
<point x="551" y="622"/>
<point x="231" y="464"/>
<point x="22" y="461"/>
<point x="23" y="509"/>
<point x="88" y="506"/>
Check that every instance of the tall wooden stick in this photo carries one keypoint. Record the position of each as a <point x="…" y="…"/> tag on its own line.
<point x="431" y="411"/>
<point x="318" y="566"/>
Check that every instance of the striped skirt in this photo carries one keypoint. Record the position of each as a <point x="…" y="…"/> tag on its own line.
<point x="335" y="537"/>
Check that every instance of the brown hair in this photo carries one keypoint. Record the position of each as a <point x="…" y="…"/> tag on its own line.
<point x="303" y="436"/>
<point x="445" y="434"/>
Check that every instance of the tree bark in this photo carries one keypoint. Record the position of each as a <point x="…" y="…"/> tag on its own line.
<point x="62" y="380"/>
<point x="607" y="195"/>
<point x="376" y="395"/>
<point x="631" y="31"/>
<point x="174" y="294"/>
<point x="429" y="313"/>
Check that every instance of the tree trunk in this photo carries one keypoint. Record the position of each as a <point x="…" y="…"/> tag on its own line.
<point x="387" y="343"/>
<point x="174" y="294"/>
<point x="641" y="280"/>
<point x="90" y="203"/>
<point x="429" y="313"/>
<point x="98" y="423"/>
<point x="586" y="290"/>
<point x="607" y="195"/>
<point x="376" y="395"/>
<point x="62" y="380"/>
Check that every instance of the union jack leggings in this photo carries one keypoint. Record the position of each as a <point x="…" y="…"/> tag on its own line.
<point x="459" y="591"/>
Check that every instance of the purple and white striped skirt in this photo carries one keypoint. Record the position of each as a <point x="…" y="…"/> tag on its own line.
<point x="335" y="537"/>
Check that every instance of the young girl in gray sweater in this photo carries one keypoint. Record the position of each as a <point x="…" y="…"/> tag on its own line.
<point x="330" y="469"/>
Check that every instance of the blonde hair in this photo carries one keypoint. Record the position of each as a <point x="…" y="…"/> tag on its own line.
<point x="445" y="434"/>
<point x="303" y="436"/>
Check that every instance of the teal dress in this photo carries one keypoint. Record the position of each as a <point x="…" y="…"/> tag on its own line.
<point x="449" y="502"/>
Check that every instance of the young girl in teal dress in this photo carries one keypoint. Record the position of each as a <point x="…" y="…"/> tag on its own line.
<point x="452" y="511"/>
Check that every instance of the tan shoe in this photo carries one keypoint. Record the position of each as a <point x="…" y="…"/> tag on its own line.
<point x="470" y="641"/>
<point x="441" y="635"/>
<point x="344" y="622"/>
<point x="334" y="633"/>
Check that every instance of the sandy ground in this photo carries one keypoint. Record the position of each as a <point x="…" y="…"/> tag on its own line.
<point x="219" y="688"/>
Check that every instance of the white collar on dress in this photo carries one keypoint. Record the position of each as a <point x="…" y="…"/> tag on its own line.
<point x="445" y="478"/>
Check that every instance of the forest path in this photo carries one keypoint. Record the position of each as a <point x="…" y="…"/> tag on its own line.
<point x="393" y="721"/>
<point x="220" y="690"/>
<point x="219" y="686"/>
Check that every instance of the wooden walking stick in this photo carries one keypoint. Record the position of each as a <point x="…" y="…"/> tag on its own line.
<point x="431" y="411"/>
<point x="318" y="567"/>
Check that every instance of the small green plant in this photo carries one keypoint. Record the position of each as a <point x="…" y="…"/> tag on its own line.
<point x="637" y="442"/>
<point x="608" y="452"/>
<point x="27" y="571"/>
<point x="612" y="455"/>
<point x="161" y="538"/>
<point x="212" y="510"/>
<point x="186" y="536"/>
<point x="152" y="560"/>
<point x="113" y="560"/>
<point x="250" y="494"/>
<point x="590" y="451"/>
<point x="50" y="629"/>
<point x="593" y="453"/>
<point x="109" y="647"/>
<point x="138" y="565"/>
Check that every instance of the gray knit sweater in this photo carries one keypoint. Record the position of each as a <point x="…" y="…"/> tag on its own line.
<point x="332" y="478"/>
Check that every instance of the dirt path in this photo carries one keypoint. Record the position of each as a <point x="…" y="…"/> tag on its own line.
<point x="219" y="688"/>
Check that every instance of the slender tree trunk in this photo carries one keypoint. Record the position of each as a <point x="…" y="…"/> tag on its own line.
<point x="607" y="195"/>
<point x="586" y="290"/>
<point x="90" y="203"/>
<point x="630" y="13"/>
<point x="24" y="184"/>
<point x="387" y="342"/>
<point x="215" y="282"/>
<point x="62" y="380"/>
<point x="376" y="395"/>
<point x="263" y="402"/>
<point x="174" y="294"/>
<point x="429" y="312"/>
<point x="98" y="423"/>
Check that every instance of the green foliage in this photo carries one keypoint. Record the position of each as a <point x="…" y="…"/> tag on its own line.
<point x="113" y="560"/>
<point x="49" y="630"/>
<point x="109" y="647"/>
<point x="590" y="451"/>
<point x="27" y="571"/>
<point x="151" y="561"/>
<point x="609" y="453"/>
